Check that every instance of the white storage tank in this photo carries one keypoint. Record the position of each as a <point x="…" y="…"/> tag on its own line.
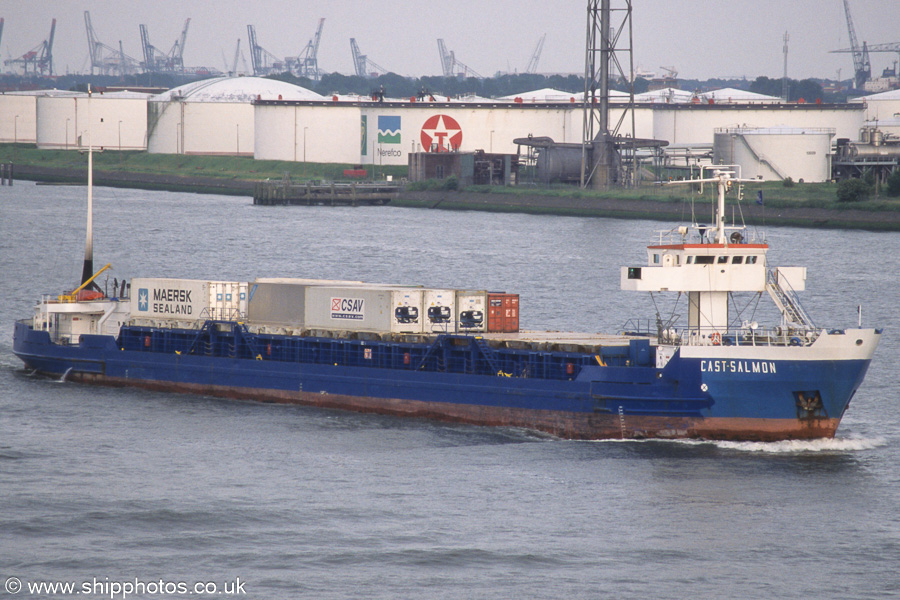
<point x="776" y="153"/>
<point x="18" y="116"/>
<point x="213" y="116"/>
<point x="385" y="134"/>
<point x="118" y="121"/>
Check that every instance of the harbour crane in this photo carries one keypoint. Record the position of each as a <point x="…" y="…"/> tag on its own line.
<point x="106" y="60"/>
<point x="231" y="67"/>
<point x="306" y="63"/>
<point x="451" y="66"/>
<point x="262" y="61"/>
<point x="535" y="56"/>
<point x="862" y="68"/>
<point x="890" y="47"/>
<point x="40" y="58"/>
<point x="156" y="61"/>
<point x="364" y="67"/>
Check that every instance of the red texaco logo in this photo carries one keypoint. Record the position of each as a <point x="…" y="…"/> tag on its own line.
<point x="441" y="133"/>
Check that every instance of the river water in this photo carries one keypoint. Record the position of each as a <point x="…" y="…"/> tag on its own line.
<point x="116" y="487"/>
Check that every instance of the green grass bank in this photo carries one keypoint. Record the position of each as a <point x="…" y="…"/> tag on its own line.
<point x="802" y="204"/>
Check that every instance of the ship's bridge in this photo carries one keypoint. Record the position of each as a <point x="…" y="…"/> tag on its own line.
<point x="708" y="271"/>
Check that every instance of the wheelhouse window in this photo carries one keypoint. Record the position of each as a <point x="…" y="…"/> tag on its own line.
<point x="737" y="260"/>
<point x="705" y="260"/>
<point x="751" y="260"/>
<point x="723" y="260"/>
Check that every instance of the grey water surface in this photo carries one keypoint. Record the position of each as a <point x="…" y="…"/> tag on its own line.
<point x="110" y="485"/>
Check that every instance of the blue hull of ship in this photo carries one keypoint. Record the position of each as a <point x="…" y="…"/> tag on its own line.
<point x="593" y="401"/>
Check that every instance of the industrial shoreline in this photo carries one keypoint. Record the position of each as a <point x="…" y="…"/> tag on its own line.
<point x="622" y="208"/>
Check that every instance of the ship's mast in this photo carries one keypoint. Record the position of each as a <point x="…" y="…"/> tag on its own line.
<point x="721" y="184"/>
<point x="88" y="270"/>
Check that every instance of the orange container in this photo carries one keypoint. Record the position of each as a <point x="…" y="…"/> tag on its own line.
<point x="503" y="313"/>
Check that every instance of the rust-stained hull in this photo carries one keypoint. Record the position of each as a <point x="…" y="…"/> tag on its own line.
<point x="564" y="424"/>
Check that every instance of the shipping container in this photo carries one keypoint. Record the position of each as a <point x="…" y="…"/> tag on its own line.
<point x="349" y="308"/>
<point x="471" y="310"/>
<point x="503" y="313"/>
<point x="277" y="303"/>
<point x="440" y="310"/>
<point x="228" y="300"/>
<point x="182" y="299"/>
<point x="407" y="316"/>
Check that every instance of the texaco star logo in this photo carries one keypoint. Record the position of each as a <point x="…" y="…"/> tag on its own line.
<point x="441" y="133"/>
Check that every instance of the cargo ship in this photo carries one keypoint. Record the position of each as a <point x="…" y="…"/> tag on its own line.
<point x="460" y="355"/>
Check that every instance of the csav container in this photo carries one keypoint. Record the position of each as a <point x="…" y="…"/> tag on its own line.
<point x="370" y="308"/>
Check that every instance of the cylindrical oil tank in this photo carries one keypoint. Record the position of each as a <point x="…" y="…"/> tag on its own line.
<point x="776" y="153"/>
<point x="118" y="121"/>
<point x="871" y="150"/>
<point x="18" y="117"/>
<point x="559" y="163"/>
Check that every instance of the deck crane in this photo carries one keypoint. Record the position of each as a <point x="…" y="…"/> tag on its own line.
<point x="451" y="66"/>
<point x="40" y="58"/>
<point x="306" y="64"/>
<point x="531" y="69"/>
<point x="263" y="61"/>
<point x="364" y="67"/>
<point x="106" y="60"/>
<point x="862" y="68"/>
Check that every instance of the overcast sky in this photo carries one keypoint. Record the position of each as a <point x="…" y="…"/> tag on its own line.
<point x="699" y="38"/>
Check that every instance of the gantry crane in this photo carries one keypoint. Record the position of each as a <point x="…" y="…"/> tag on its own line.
<point x="106" y="60"/>
<point x="306" y="64"/>
<point x="262" y="61"/>
<point x="40" y="58"/>
<point x="535" y="56"/>
<point x="155" y="61"/>
<point x="451" y="66"/>
<point x="364" y="67"/>
<point x="231" y="68"/>
<point x="862" y="68"/>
